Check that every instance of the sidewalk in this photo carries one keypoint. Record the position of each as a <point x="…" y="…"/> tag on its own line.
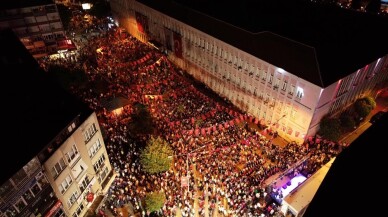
<point x="381" y="105"/>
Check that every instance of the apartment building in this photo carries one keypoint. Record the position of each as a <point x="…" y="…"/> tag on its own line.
<point x="287" y="63"/>
<point x="56" y="163"/>
<point x="37" y="24"/>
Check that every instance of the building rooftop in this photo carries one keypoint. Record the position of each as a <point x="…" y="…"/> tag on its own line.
<point x="319" y="43"/>
<point x="35" y="109"/>
<point x="12" y="4"/>
<point x="355" y="183"/>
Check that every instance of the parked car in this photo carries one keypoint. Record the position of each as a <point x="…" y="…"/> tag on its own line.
<point x="376" y="116"/>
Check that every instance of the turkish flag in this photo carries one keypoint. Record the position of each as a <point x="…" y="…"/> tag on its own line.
<point x="178" y="45"/>
<point x="142" y="22"/>
<point x="90" y="197"/>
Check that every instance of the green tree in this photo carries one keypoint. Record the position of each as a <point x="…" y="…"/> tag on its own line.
<point x="155" y="156"/>
<point x="363" y="107"/>
<point x="154" y="201"/>
<point x="370" y="101"/>
<point x="141" y="120"/>
<point x="347" y="121"/>
<point x="330" y="128"/>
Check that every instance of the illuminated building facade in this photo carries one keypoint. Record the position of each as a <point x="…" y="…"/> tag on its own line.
<point x="37" y="24"/>
<point x="273" y="65"/>
<point x="56" y="163"/>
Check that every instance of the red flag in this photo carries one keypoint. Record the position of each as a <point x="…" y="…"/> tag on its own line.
<point x="142" y="22"/>
<point x="177" y="45"/>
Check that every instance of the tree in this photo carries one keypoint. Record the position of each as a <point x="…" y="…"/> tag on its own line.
<point x="154" y="201"/>
<point x="155" y="156"/>
<point x="141" y="120"/>
<point x="347" y="121"/>
<point x="330" y="128"/>
<point x="370" y="101"/>
<point x="364" y="106"/>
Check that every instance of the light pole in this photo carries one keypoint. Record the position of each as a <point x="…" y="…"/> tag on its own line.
<point x="273" y="134"/>
<point x="187" y="163"/>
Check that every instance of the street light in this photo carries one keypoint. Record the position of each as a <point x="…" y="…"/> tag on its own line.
<point x="187" y="163"/>
<point x="273" y="134"/>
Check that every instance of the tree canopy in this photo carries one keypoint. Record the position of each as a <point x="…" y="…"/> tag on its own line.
<point x="364" y="106"/>
<point x="156" y="157"/>
<point x="330" y="128"/>
<point x="154" y="201"/>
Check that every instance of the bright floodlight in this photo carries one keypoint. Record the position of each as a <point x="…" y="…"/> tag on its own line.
<point x="86" y="6"/>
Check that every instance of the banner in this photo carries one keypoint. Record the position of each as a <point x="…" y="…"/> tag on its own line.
<point x="177" y="45"/>
<point x="142" y="22"/>
<point x="168" y="38"/>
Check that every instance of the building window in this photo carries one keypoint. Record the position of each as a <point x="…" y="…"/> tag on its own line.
<point x="94" y="149"/>
<point x="73" y="198"/>
<point x="11" y="212"/>
<point x="28" y="196"/>
<point x="284" y="87"/>
<point x="270" y="78"/>
<point x="72" y="153"/>
<point x="58" y="168"/>
<point x="65" y="184"/>
<point x="89" y="133"/>
<point x="84" y="184"/>
<point x="20" y="204"/>
<point x="264" y="76"/>
<point x="299" y="93"/>
<point x="292" y="89"/>
<point x="35" y="189"/>
<point x="103" y="175"/>
<point x="79" y="210"/>
<point x="99" y="163"/>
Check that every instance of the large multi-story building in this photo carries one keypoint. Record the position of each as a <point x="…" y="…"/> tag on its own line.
<point x="55" y="163"/>
<point x="288" y="63"/>
<point x="37" y="24"/>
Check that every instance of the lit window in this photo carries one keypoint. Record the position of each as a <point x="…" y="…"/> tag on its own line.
<point x="284" y="87"/>
<point x="299" y="93"/>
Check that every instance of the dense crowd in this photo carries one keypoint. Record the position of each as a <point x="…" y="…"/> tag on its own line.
<point x="234" y="160"/>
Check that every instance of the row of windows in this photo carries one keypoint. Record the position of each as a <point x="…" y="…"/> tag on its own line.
<point x="89" y="133"/>
<point x="94" y="148"/>
<point x="103" y="175"/>
<point x="65" y="184"/>
<point x="28" y="197"/>
<point x="99" y="163"/>
<point x="263" y="75"/>
<point x="79" y="210"/>
<point x="73" y="153"/>
<point x="84" y="184"/>
<point x="58" y="168"/>
<point x="73" y="198"/>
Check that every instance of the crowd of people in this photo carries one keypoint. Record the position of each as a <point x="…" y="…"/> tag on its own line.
<point x="230" y="158"/>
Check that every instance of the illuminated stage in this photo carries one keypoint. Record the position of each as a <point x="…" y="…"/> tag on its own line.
<point x="287" y="185"/>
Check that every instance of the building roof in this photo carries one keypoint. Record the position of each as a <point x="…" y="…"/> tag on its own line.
<point x="34" y="108"/>
<point x="12" y="4"/>
<point x="355" y="183"/>
<point x="302" y="196"/>
<point x="318" y="43"/>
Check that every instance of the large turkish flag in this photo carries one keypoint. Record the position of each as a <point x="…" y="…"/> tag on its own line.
<point x="177" y="45"/>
